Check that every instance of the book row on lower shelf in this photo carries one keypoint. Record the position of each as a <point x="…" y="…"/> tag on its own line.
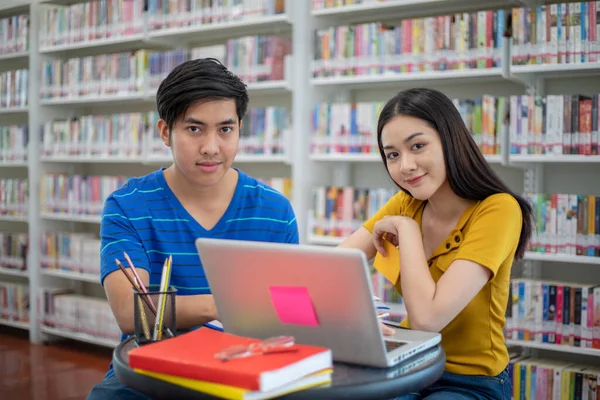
<point x="13" y="250"/>
<point x="14" y="89"/>
<point x="63" y="310"/>
<point x="13" y="143"/>
<point x="566" y="223"/>
<point x="14" y="302"/>
<point x="14" y="196"/>
<point x="73" y="253"/>
<point x="562" y="313"/>
<point x="541" y="378"/>
<point x="252" y="59"/>
<point x="264" y="131"/>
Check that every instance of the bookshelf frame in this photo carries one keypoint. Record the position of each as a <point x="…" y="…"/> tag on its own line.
<point x="304" y="91"/>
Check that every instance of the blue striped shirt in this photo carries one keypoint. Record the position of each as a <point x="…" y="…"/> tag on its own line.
<point x="146" y="220"/>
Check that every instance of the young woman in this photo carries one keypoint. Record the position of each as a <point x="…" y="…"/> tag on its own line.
<point x="447" y="240"/>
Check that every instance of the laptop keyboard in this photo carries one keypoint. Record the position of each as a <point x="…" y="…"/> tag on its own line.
<point x="391" y="345"/>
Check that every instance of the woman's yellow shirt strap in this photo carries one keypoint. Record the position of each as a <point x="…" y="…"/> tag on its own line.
<point x="388" y="266"/>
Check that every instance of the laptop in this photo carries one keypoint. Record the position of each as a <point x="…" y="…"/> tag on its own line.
<point x="321" y="296"/>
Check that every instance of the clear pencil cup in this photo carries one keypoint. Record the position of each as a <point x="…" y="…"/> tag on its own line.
<point x="154" y="315"/>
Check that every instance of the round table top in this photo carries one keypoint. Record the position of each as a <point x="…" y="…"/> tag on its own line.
<point x="348" y="381"/>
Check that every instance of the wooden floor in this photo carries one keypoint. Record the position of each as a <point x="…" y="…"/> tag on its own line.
<point x="65" y="370"/>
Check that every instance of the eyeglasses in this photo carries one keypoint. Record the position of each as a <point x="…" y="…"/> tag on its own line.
<point x="278" y="344"/>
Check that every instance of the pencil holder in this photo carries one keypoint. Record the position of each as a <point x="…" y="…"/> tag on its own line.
<point x="154" y="315"/>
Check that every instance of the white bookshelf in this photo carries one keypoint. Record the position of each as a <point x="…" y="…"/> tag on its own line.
<point x="301" y="92"/>
<point x="14" y="324"/>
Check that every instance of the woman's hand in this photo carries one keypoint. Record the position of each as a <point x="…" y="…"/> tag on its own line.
<point x="392" y="227"/>
<point x="387" y="330"/>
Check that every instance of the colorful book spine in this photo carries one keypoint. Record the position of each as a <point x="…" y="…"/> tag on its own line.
<point x="14" y="34"/>
<point x="535" y="378"/>
<point x="77" y="194"/>
<point x="563" y="33"/>
<point x="63" y="310"/>
<point x="174" y="14"/>
<point x="554" y="312"/>
<point x="565" y="224"/>
<point x="14" y="302"/>
<point x="90" y="21"/>
<point x="342" y="128"/>
<point x="460" y="41"/>
<point x="339" y="211"/>
<point x="14" y="89"/>
<point x="14" y="197"/>
<point x="70" y="252"/>
<point x="14" y="140"/>
<point x="554" y="124"/>
<point x="13" y="250"/>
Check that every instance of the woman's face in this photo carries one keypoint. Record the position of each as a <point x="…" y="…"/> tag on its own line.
<point x="414" y="156"/>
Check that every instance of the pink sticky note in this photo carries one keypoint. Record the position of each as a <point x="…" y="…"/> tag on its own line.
<point x="293" y="305"/>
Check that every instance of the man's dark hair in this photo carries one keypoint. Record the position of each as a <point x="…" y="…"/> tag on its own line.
<point x="469" y="174"/>
<point x="203" y="79"/>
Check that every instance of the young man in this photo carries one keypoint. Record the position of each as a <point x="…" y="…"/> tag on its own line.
<point x="201" y="105"/>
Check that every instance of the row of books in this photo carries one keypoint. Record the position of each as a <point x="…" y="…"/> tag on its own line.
<point x="13" y="143"/>
<point x="324" y="4"/>
<point x="282" y="185"/>
<point x="352" y="127"/>
<point x="554" y="124"/>
<point x="452" y="42"/>
<point x="265" y="130"/>
<point x="13" y="250"/>
<point x="554" y="312"/>
<point x="14" y="196"/>
<point x="90" y="20"/>
<point x="563" y="33"/>
<point x="64" y="310"/>
<point x="14" y="34"/>
<point x="103" y="19"/>
<point x="14" y="89"/>
<point x="77" y="194"/>
<point x="202" y="12"/>
<point x="14" y="302"/>
<point x="339" y="211"/>
<point x="252" y="58"/>
<point x="541" y="378"/>
<point x="70" y="252"/>
<point x="566" y="224"/>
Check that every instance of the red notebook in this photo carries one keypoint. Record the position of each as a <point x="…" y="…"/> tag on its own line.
<point x="192" y="355"/>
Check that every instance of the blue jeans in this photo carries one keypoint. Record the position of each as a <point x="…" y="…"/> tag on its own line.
<point x="111" y="388"/>
<point x="466" y="387"/>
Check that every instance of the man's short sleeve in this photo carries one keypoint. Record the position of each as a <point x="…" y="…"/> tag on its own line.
<point x="117" y="235"/>
<point x="394" y="206"/>
<point x="292" y="228"/>
<point x="493" y="235"/>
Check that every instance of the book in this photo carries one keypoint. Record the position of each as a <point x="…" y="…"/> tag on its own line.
<point x="192" y="356"/>
<point x="236" y="393"/>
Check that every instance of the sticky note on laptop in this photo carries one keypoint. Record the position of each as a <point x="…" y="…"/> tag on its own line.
<point x="294" y="305"/>
<point x="388" y="266"/>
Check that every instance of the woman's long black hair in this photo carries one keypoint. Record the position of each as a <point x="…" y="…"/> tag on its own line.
<point x="469" y="174"/>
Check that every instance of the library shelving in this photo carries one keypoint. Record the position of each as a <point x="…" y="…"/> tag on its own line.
<point x="515" y="83"/>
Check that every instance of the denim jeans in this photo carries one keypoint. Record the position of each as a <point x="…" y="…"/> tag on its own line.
<point x="466" y="387"/>
<point x="112" y="389"/>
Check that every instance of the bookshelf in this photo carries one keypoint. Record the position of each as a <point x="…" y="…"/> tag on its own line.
<point x="508" y="68"/>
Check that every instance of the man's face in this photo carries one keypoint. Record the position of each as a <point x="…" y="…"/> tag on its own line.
<point x="204" y="141"/>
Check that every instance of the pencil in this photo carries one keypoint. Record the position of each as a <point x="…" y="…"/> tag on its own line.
<point x="145" y="327"/>
<point x="146" y="300"/>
